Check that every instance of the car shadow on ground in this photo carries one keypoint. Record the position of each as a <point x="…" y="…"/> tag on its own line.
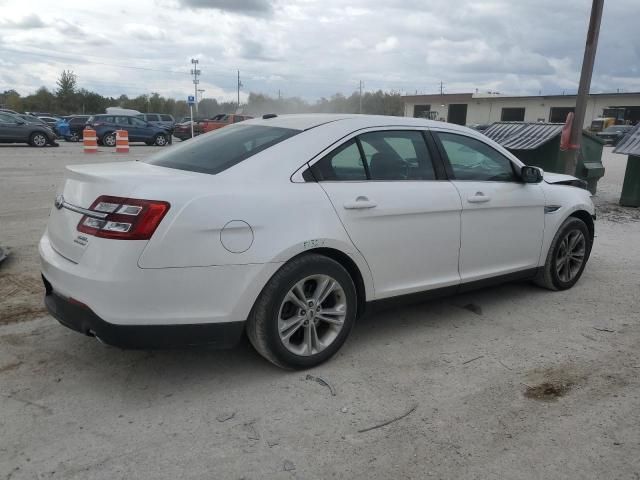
<point x="111" y="367"/>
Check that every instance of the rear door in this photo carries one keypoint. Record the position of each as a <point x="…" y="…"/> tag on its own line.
<point x="400" y="214"/>
<point x="502" y="217"/>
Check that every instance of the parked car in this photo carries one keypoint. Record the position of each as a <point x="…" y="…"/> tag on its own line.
<point x="159" y="119"/>
<point x="14" y="129"/>
<point x="288" y="227"/>
<point x="31" y="119"/>
<point x="222" y="120"/>
<point x="137" y="129"/>
<point x="51" y="121"/>
<point x="183" y="130"/>
<point x="6" y="110"/>
<point x="77" y="124"/>
<point x="612" y="135"/>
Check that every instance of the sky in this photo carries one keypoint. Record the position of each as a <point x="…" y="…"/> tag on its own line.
<point x="315" y="48"/>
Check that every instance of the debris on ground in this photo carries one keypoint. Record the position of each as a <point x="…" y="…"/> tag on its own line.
<point x="547" y="390"/>
<point x="322" y="382"/>
<point x="473" y="359"/>
<point x="4" y="253"/>
<point x="384" y="424"/>
<point x="608" y="330"/>
<point x="223" y="417"/>
<point x="288" y="466"/>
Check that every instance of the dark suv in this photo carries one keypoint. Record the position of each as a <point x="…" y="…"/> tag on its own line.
<point x="137" y="129"/>
<point x="14" y="129"/>
<point x="76" y="126"/>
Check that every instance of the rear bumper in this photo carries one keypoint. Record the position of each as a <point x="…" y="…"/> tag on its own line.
<point x="82" y="319"/>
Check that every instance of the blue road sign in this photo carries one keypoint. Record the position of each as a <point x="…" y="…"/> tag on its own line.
<point x="191" y="100"/>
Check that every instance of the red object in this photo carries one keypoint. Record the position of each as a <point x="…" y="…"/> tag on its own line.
<point x="139" y="225"/>
<point x="565" y="137"/>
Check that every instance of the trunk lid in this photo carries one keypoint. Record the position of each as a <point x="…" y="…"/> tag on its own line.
<point x="84" y="184"/>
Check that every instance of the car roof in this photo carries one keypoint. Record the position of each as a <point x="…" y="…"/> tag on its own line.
<point x="312" y="120"/>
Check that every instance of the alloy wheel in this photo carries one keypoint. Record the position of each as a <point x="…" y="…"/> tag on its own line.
<point x="39" y="140"/>
<point x="570" y="255"/>
<point x="109" y="140"/>
<point x="312" y="315"/>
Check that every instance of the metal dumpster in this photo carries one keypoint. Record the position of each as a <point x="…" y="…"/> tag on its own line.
<point x="630" y="145"/>
<point x="538" y="144"/>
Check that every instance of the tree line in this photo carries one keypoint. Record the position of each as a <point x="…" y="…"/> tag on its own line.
<point x="69" y="99"/>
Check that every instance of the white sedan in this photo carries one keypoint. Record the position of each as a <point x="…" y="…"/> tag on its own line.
<point x="287" y="227"/>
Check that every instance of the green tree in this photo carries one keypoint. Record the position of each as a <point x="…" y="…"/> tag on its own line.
<point x="66" y="93"/>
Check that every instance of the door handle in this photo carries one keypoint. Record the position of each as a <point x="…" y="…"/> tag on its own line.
<point x="479" y="197"/>
<point x="360" y="203"/>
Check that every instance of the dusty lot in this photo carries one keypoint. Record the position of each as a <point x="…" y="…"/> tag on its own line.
<point x="511" y="382"/>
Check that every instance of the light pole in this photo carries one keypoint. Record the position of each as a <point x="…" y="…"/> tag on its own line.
<point x="195" y="72"/>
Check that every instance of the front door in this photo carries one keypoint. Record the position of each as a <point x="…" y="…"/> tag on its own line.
<point x="399" y="215"/>
<point x="11" y="130"/>
<point x="502" y="217"/>
<point x="139" y="130"/>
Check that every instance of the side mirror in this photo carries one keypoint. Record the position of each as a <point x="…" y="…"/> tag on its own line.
<point x="21" y="122"/>
<point x="531" y="174"/>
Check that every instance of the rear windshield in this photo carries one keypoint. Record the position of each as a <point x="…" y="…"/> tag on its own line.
<point x="221" y="149"/>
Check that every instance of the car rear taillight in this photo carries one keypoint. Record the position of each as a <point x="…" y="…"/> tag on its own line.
<point x="124" y="218"/>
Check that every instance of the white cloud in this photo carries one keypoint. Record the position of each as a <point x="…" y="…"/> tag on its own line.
<point x="389" y="43"/>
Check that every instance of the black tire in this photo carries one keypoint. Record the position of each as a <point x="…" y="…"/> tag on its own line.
<point x="262" y="325"/>
<point x="161" y="140"/>
<point x="109" y="140"/>
<point x="548" y="277"/>
<point x="38" y="140"/>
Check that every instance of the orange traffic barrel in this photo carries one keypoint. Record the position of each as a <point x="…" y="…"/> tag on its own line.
<point x="90" y="140"/>
<point x="122" y="141"/>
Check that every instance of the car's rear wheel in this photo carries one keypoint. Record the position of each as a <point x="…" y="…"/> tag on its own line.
<point x="160" y="140"/>
<point x="567" y="257"/>
<point x="38" y="139"/>
<point x="304" y="313"/>
<point x="109" y="140"/>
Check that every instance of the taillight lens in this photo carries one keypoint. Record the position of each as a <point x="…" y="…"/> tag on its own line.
<point x="127" y="218"/>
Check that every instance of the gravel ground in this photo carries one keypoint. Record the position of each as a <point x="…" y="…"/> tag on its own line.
<point x="510" y="382"/>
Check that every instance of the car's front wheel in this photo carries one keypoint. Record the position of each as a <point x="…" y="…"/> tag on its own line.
<point x="304" y="313"/>
<point x="109" y="140"/>
<point x="161" y="140"/>
<point x="567" y="256"/>
<point x="38" y="139"/>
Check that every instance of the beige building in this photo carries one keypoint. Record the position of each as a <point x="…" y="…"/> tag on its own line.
<point x="484" y="108"/>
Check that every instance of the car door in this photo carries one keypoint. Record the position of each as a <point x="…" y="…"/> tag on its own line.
<point x="138" y="130"/>
<point x="502" y="217"/>
<point x="11" y="130"/>
<point x="402" y="216"/>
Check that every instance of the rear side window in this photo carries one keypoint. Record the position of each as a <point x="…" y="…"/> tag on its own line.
<point x="397" y="155"/>
<point x="166" y="118"/>
<point x="344" y="163"/>
<point x="385" y="156"/>
<point x="221" y="149"/>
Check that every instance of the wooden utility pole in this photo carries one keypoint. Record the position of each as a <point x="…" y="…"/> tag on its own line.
<point x="585" y="84"/>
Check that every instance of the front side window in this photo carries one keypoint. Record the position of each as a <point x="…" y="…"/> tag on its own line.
<point x="4" y="118"/>
<point x="152" y="118"/>
<point x="221" y="149"/>
<point x="136" y="122"/>
<point x="166" y="118"/>
<point x="472" y="159"/>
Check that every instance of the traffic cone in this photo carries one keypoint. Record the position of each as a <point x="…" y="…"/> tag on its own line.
<point x="90" y="140"/>
<point x="122" y="141"/>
